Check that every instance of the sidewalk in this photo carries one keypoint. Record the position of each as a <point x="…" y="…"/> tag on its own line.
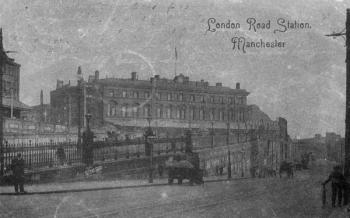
<point x="52" y="188"/>
<point x="82" y="186"/>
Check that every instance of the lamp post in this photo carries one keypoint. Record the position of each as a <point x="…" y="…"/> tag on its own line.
<point x="212" y="134"/>
<point x="228" y="152"/>
<point x="149" y="148"/>
<point x="79" y="112"/>
<point x="88" y="118"/>
<point x="88" y="138"/>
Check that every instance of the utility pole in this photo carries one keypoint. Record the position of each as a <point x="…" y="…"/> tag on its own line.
<point x="80" y="80"/>
<point x="212" y="134"/>
<point x="346" y="33"/>
<point x="228" y="149"/>
<point x="1" y="110"/>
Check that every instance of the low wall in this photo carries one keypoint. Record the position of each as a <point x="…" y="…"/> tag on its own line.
<point x="122" y="169"/>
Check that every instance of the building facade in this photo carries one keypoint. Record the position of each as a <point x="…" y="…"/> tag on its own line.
<point x="330" y="146"/>
<point x="160" y="102"/>
<point x="10" y="85"/>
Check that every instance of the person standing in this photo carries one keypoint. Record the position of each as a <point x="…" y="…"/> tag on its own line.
<point x="17" y="167"/>
<point x="61" y="155"/>
<point x="338" y="181"/>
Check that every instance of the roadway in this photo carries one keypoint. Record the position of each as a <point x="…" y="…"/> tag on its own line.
<point x="268" y="197"/>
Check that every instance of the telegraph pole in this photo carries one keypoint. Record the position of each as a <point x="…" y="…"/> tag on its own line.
<point x="228" y="149"/>
<point x="346" y="33"/>
<point x="1" y="112"/>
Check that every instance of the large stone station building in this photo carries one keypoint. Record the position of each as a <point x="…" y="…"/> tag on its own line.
<point x="168" y="105"/>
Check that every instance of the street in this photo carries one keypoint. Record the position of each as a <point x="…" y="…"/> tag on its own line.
<point x="259" y="197"/>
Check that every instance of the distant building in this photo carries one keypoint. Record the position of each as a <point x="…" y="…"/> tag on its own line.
<point x="330" y="146"/>
<point x="10" y="90"/>
<point x="334" y="146"/>
<point x="38" y="113"/>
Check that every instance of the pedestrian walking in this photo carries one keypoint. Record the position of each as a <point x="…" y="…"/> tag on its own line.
<point x="17" y="167"/>
<point x="338" y="181"/>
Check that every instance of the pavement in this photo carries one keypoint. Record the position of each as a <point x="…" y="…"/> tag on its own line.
<point x="218" y="197"/>
<point x="82" y="186"/>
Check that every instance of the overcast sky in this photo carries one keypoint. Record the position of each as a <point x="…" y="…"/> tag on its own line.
<point x="303" y="82"/>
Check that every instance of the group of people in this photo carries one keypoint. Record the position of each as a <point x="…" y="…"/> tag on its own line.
<point x="339" y="186"/>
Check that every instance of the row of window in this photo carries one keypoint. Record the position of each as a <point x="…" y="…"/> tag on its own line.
<point x="182" y="113"/>
<point x="178" y="97"/>
<point x="10" y="70"/>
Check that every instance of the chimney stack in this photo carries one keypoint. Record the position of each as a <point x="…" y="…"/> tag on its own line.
<point x="219" y="84"/>
<point x="59" y="84"/>
<point x="97" y="75"/>
<point x="41" y="97"/>
<point x="133" y="76"/>
<point x="238" y="86"/>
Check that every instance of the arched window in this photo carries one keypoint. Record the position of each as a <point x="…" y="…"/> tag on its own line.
<point x="175" y="97"/>
<point x="192" y="98"/>
<point x="135" y="110"/>
<point x="159" y="111"/>
<point x="171" y="115"/>
<point x="183" y="112"/>
<point x="136" y="94"/>
<point x="192" y="113"/>
<point x="231" y="118"/>
<point x="178" y="113"/>
<point x="212" y="114"/>
<point x="201" y="114"/>
<point x="108" y="109"/>
<point x="146" y="111"/>
<point x="112" y="108"/>
<point x="212" y="99"/>
<point x="124" y="109"/>
<point x="169" y="97"/>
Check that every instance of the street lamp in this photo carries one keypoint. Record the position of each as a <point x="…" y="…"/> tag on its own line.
<point x="212" y="134"/>
<point x="88" y="138"/>
<point x="88" y="118"/>
<point x="229" y="176"/>
<point x="149" y="134"/>
<point x="228" y="151"/>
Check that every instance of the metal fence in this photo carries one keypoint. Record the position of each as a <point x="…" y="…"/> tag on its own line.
<point x="45" y="155"/>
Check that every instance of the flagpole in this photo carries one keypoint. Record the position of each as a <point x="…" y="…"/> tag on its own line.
<point x="175" y="52"/>
<point x="11" y="103"/>
<point x="175" y="59"/>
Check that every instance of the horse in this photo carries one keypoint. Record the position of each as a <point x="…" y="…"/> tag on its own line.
<point x="286" y="167"/>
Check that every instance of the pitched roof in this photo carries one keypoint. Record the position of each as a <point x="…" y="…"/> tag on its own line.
<point x="16" y="104"/>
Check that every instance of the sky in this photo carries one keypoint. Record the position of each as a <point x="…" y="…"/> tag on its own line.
<point x="303" y="82"/>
